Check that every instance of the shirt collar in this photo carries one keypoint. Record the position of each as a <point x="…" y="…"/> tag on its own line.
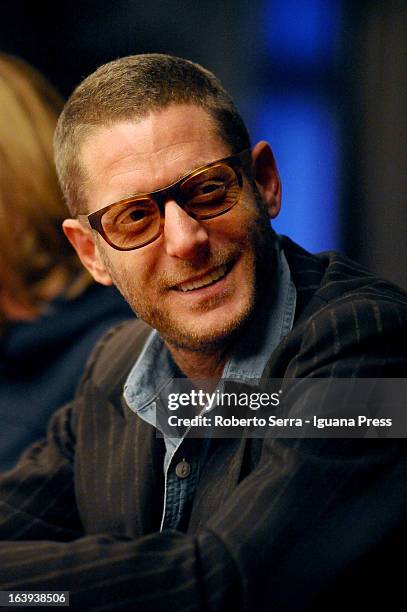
<point x="273" y="319"/>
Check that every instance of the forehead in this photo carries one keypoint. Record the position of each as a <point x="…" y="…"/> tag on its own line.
<point x="135" y="157"/>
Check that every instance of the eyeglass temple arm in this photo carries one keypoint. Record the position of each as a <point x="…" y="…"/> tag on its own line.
<point x="246" y="160"/>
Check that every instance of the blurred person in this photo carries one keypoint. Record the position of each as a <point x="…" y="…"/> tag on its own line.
<point x="51" y="313"/>
<point x="171" y="203"/>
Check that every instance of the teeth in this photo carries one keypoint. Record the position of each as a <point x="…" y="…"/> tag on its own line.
<point x="205" y="280"/>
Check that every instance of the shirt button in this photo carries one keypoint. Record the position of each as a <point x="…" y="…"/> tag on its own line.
<point x="183" y="469"/>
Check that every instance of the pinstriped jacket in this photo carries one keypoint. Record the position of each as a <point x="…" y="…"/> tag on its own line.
<point x="293" y="525"/>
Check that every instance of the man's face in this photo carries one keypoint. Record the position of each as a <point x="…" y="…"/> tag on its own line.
<point x="196" y="284"/>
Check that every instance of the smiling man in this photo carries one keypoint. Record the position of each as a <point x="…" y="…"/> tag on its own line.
<point x="194" y="277"/>
<point x="171" y="203"/>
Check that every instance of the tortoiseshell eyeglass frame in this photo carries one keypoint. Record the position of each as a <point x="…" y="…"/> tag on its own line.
<point x="237" y="162"/>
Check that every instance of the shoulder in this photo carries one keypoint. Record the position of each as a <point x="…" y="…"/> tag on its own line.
<point x="345" y="316"/>
<point x="332" y="280"/>
<point x="116" y="352"/>
<point x="101" y="387"/>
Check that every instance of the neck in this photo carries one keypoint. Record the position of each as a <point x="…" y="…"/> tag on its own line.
<point x="198" y="365"/>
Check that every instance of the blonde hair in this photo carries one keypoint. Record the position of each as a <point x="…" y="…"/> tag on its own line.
<point x="32" y="244"/>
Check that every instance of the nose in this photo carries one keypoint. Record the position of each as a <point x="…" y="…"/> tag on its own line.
<point x="185" y="237"/>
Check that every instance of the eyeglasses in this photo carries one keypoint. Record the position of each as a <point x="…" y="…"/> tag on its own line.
<point x="204" y="193"/>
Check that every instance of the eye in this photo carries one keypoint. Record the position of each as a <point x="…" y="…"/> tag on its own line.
<point x="206" y="192"/>
<point x="136" y="215"/>
<point x="211" y="192"/>
<point x="133" y="216"/>
<point x="209" y="187"/>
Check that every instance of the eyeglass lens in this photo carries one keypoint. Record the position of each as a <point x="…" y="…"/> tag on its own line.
<point x="206" y="194"/>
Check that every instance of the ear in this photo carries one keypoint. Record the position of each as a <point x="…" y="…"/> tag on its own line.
<point x="84" y="244"/>
<point x="266" y="175"/>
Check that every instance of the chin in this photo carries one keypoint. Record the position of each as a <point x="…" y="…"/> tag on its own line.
<point x="208" y="333"/>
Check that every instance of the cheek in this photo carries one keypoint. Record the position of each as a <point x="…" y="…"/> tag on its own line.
<point x="133" y="272"/>
<point x="234" y="227"/>
<point x="242" y="229"/>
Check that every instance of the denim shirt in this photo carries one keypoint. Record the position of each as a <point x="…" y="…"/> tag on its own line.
<point x="155" y="371"/>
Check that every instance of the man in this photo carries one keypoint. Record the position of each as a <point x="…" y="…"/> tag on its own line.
<point x="170" y="203"/>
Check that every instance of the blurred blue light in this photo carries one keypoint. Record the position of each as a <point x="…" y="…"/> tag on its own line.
<point x="301" y="31"/>
<point x="303" y="136"/>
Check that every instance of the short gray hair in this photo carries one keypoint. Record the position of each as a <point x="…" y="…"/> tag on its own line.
<point x="129" y="89"/>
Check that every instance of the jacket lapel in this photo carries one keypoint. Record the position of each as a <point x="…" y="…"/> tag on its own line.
<point x="144" y="487"/>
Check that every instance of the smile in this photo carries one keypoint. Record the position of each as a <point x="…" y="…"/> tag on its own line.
<point x="204" y="281"/>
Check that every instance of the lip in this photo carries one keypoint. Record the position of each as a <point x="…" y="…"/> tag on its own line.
<point x="200" y="276"/>
<point x="213" y="286"/>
